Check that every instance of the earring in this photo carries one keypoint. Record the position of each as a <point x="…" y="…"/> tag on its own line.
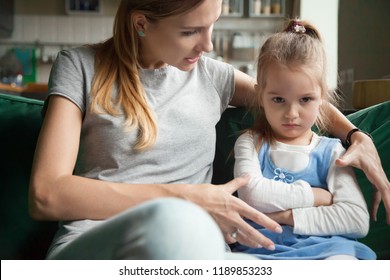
<point x="141" y="33"/>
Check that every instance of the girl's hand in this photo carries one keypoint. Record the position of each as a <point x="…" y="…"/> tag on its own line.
<point x="322" y="197"/>
<point x="362" y="154"/>
<point x="283" y="217"/>
<point x="228" y="211"/>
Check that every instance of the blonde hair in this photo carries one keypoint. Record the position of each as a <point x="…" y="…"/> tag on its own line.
<point x="299" y="45"/>
<point x="117" y="65"/>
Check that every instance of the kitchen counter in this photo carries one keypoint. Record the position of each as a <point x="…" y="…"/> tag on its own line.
<point x="30" y="90"/>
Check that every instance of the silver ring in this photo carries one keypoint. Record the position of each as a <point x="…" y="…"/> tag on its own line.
<point x="234" y="234"/>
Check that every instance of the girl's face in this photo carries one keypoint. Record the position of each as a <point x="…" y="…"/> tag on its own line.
<point x="291" y="101"/>
<point x="179" y="40"/>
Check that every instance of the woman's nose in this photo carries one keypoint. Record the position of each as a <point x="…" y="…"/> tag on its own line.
<point x="205" y="43"/>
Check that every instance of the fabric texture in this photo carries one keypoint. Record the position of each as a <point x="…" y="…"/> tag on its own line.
<point x="20" y="123"/>
<point x="187" y="107"/>
<point x="315" y="172"/>
<point x="315" y="230"/>
<point x="376" y="121"/>
<point x="157" y="229"/>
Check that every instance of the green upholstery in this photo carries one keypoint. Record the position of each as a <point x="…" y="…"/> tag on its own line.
<point x="20" y="122"/>
<point x="376" y="120"/>
<point x="20" y="236"/>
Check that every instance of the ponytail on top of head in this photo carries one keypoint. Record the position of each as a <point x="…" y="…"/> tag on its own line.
<point x="302" y="27"/>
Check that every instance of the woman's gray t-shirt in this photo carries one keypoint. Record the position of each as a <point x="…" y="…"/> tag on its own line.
<point x="187" y="105"/>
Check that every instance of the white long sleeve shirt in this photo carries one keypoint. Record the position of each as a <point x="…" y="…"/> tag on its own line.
<point x="348" y="215"/>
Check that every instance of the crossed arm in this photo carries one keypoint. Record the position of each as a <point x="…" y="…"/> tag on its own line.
<point x="312" y="211"/>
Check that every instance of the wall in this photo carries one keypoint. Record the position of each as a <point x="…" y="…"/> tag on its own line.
<point x="46" y="22"/>
<point x="324" y="15"/>
<point x="46" y="27"/>
<point x="364" y="42"/>
<point x="57" y="7"/>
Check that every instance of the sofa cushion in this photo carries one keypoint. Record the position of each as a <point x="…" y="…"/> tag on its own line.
<point x="20" y="122"/>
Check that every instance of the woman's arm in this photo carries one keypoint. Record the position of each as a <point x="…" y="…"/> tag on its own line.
<point x="57" y="194"/>
<point x="362" y="154"/>
<point x="348" y="215"/>
<point x="269" y="195"/>
<point x="244" y="90"/>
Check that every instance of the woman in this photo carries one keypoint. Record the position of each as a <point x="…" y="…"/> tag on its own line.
<point x="129" y="125"/>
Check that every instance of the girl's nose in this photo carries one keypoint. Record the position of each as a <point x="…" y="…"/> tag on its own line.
<point x="292" y="112"/>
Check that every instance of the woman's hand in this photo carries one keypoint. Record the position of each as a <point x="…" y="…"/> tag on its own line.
<point x="362" y="154"/>
<point x="228" y="211"/>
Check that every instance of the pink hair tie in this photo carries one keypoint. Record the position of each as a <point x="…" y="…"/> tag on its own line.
<point x="298" y="28"/>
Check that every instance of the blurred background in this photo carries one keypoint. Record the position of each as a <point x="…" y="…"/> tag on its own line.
<point x="356" y="33"/>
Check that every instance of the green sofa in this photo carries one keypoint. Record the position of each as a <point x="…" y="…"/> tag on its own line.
<point x="20" y="122"/>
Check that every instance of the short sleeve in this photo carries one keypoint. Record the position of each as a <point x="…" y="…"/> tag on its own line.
<point x="71" y="75"/>
<point x="221" y="75"/>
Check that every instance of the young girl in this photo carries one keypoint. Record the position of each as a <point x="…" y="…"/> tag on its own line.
<point x="298" y="183"/>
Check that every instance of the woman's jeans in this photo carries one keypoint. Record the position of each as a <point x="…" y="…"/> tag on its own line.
<point x="161" y="229"/>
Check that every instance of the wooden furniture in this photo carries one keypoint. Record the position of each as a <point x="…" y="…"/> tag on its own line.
<point x="370" y="92"/>
<point x="30" y="90"/>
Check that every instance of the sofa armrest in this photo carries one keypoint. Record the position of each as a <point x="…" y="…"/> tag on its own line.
<point x="20" y="122"/>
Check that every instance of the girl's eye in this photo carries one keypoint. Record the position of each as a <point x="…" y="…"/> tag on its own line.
<point x="278" y="100"/>
<point x="306" y="99"/>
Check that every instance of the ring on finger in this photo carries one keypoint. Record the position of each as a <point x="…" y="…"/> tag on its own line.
<point x="234" y="234"/>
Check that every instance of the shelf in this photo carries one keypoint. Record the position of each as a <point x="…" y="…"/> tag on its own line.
<point x="232" y="8"/>
<point x="255" y="24"/>
<point x="267" y="8"/>
<point x="253" y="8"/>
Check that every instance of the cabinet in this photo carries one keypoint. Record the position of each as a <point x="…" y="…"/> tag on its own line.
<point x="253" y="8"/>
<point x="244" y="26"/>
<point x="232" y="8"/>
<point x="267" y="8"/>
<point x="6" y="18"/>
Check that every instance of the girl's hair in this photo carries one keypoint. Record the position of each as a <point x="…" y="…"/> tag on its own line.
<point x="117" y="66"/>
<point x="298" y="46"/>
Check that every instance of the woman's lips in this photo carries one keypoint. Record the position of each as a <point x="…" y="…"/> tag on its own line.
<point x="193" y="60"/>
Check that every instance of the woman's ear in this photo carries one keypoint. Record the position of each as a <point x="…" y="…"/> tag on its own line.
<point x="140" y="23"/>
